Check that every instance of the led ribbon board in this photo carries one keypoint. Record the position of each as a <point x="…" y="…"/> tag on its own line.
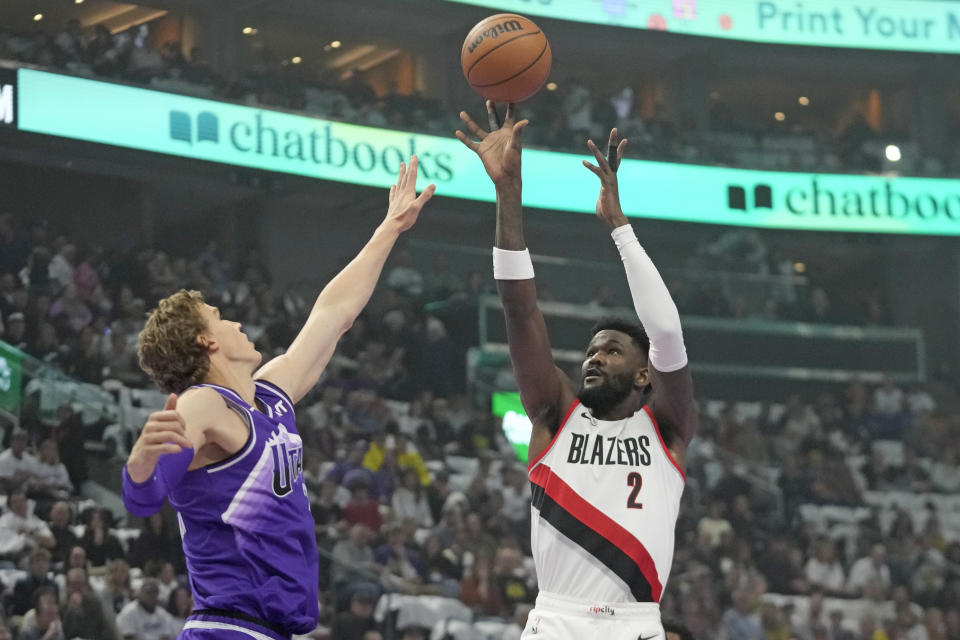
<point x="214" y="131"/>
<point x="914" y="25"/>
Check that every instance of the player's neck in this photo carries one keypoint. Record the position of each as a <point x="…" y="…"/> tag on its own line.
<point x="236" y="377"/>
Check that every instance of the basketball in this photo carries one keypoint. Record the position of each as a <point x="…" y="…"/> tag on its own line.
<point x="506" y="58"/>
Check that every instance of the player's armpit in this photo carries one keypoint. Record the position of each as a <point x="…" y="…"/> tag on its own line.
<point x="673" y="405"/>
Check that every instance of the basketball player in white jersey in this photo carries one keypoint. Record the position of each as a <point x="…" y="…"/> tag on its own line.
<point x="606" y="455"/>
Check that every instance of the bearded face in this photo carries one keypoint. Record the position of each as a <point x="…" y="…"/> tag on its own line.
<point x="613" y="367"/>
<point x="602" y="396"/>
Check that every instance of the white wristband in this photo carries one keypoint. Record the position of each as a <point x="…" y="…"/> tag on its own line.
<point x="512" y="265"/>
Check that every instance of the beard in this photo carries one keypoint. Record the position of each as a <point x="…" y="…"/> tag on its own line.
<point x="604" y="397"/>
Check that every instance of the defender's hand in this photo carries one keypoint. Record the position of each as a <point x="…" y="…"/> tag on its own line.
<point x="165" y="432"/>
<point x="608" y="202"/>
<point x="499" y="149"/>
<point x="405" y="206"/>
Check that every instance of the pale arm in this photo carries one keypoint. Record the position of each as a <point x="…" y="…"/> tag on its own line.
<point x="344" y="297"/>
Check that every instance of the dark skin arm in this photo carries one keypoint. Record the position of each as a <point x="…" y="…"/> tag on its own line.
<point x="672" y="400"/>
<point x="546" y="392"/>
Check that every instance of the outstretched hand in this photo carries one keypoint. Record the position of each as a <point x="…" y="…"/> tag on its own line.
<point x="405" y="205"/>
<point x="499" y="149"/>
<point x="608" y="202"/>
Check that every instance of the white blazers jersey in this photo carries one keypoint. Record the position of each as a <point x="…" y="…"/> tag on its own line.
<point x="605" y="500"/>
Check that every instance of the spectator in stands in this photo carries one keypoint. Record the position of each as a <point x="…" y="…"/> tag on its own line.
<point x="739" y="622"/>
<point x="180" y="604"/>
<point x="781" y="564"/>
<point x="22" y="532"/>
<point x="116" y="592"/>
<point x="155" y="543"/>
<point x="410" y="500"/>
<point x="404" y="276"/>
<point x="15" y="331"/>
<point x="60" y="526"/>
<point x="76" y="559"/>
<point x="513" y="581"/>
<point x="353" y="462"/>
<point x="713" y="527"/>
<point x="27" y="586"/>
<point x="357" y="621"/>
<point x="354" y="565"/>
<point x="823" y="570"/>
<point x="71" y="43"/>
<point x="51" y="480"/>
<point x="440" y="281"/>
<point x="807" y="623"/>
<point x="836" y="630"/>
<point x="516" y="495"/>
<point x="408" y="457"/>
<point x="43" y="621"/>
<point x="868" y="568"/>
<point x="17" y="465"/>
<point x="142" y="619"/>
<point x="82" y="615"/>
<point x="70" y="436"/>
<point x="362" y="508"/>
<point x="101" y="545"/>
<point x="402" y="568"/>
<point x="61" y="269"/>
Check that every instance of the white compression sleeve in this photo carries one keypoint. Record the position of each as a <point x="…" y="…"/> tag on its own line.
<point x="657" y="312"/>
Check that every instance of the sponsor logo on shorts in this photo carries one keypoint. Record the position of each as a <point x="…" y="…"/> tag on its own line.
<point x="605" y="610"/>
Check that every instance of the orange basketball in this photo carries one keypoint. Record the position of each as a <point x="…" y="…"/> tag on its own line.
<point x="506" y="58"/>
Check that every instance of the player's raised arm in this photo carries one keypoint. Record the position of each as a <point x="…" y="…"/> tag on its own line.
<point x="544" y="390"/>
<point x="344" y="297"/>
<point x="672" y="401"/>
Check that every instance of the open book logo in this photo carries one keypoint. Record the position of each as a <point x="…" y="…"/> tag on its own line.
<point x="181" y="127"/>
<point x="737" y="197"/>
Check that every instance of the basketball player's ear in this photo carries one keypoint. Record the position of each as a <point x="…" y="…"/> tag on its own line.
<point x="207" y="342"/>
<point x="642" y="378"/>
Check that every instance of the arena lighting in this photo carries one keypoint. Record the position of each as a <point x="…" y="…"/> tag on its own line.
<point x="296" y="59"/>
<point x="335" y="44"/>
<point x="38" y="17"/>
<point x="799" y="267"/>
<point x="78" y="1"/>
<point x="551" y="86"/>
<point x="804" y="100"/>
<point x="249" y="31"/>
<point x="892" y="152"/>
<point x="779" y="116"/>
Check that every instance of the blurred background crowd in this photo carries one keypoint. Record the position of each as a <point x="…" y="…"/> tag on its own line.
<point x="823" y="487"/>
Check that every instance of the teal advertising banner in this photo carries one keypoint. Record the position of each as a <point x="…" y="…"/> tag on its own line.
<point x="277" y="141"/>
<point x="902" y="25"/>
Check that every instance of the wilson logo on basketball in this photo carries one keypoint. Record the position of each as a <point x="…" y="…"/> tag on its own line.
<point x="494" y="32"/>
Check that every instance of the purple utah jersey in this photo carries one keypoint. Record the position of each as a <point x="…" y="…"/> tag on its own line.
<point x="247" y="530"/>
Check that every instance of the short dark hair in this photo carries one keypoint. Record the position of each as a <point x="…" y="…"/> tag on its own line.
<point x="632" y="329"/>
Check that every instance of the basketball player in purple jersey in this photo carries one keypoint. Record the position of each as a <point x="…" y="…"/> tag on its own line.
<point x="606" y="456"/>
<point x="226" y="452"/>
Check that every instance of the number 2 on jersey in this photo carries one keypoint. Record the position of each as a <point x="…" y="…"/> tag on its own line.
<point x="634" y="480"/>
